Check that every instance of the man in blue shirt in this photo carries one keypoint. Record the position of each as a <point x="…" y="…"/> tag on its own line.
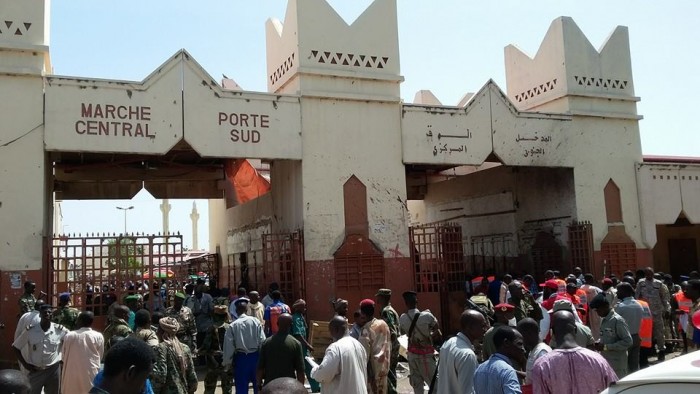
<point x="497" y="375"/>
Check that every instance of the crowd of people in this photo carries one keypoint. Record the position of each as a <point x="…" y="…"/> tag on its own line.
<point x="565" y="334"/>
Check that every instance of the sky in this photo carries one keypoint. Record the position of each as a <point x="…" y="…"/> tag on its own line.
<point x="450" y="47"/>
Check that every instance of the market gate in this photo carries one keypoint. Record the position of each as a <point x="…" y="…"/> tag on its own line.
<point x="100" y="269"/>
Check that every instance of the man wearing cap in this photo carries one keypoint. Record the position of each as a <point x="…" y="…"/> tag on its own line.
<point x="615" y="336"/>
<point x="187" y="332"/>
<point x="421" y="329"/>
<point x="173" y="371"/>
<point x="242" y="344"/>
<point x="391" y="318"/>
<point x="300" y="332"/>
<point x="213" y="351"/>
<point x="134" y="303"/>
<point x="43" y="343"/>
<point x="656" y="294"/>
<point x="376" y="339"/>
<point x="504" y="314"/>
<point x="118" y="329"/>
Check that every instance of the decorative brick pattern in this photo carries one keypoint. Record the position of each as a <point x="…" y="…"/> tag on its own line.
<point x="536" y="91"/>
<point x="14" y="28"/>
<point x="607" y="83"/>
<point x="349" y="59"/>
<point x="281" y="70"/>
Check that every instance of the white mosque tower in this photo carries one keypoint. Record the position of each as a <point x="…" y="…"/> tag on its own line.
<point x="165" y="209"/>
<point x="195" y="218"/>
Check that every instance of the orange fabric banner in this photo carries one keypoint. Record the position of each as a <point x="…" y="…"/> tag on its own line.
<point x="247" y="183"/>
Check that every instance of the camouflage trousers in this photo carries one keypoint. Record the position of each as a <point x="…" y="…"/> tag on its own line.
<point x="214" y="373"/>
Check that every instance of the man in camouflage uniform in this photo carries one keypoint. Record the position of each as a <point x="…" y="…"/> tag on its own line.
<point x="655" y="293"/>
<point x="391" y="318"/>
<point x="213" y="351"/>
<point x="27" y="300"/>
<point x="173" y="370"/>
<point x="187" y="328"/>
<point x="118" y="329"/>
<point x="65" y="314"/>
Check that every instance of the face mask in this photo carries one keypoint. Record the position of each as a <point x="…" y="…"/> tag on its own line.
<point x="512" y="322"/>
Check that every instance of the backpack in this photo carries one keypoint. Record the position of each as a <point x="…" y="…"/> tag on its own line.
<point x="481" y="303"/>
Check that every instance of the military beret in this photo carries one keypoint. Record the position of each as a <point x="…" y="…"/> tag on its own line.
<point x="180" y="295"/>
<point x="503" y="307"/>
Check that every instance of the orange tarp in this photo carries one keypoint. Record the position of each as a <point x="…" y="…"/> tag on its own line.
<point x="246" y="182"/>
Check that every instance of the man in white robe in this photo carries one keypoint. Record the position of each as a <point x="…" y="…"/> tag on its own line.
<point x="31" y="318"/>
<point x="82" y="352"/>
<point x="344" y="366"/>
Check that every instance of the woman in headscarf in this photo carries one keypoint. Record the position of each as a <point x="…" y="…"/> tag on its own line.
<point x="173" y="372"/>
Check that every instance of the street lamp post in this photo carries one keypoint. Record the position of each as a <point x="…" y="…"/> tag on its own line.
<point x="125" y="209"/>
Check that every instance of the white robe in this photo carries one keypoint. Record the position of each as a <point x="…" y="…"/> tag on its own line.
<point x="343" y="369"/>
<point x="82" y="352"/>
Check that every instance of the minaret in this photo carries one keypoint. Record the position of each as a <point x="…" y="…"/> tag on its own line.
<point x="195" y="218"/>
<point x="165" y="208"/>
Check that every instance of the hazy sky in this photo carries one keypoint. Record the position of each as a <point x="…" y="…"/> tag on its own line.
<point x="450" y="47"/>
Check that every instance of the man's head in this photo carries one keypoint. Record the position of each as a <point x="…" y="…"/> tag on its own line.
<point x="276" y="295"/>
<point x="241" y="305"/>
<point x="142" y="318"/>
<point x="85" y="319"/>
<point x="507" y="278"/>
<point x="410" y="298"/>
<point x="29" y="287"/>
<point x="516" y="290"/>
<point x="199" y="290"/>
<point x="341" y="307"/>
<point x="649" y="273"/>
<point x="127" y="364"/>
<point x="571" y="288"/>
<point x="178" y="300"/>
<point x="241" y="292"/>
<point x="284" y="386"/>
<point x="14" y="381"/>
<point x="485" y="281"/>
<point x="273" y="286"/>
<point x="473" y="324"/>
<point x="367" y="309"/>
<point x="607" y="283"/>
<point x="299" y="306"/>
<point x="358" y="318"/>
<point x="132" y="302"/>
<point x="630" y="280"/>
<point x="45" y="313"/>
<point x="167" y="328"/>
<point x="692" y="291"/>
<point x="601" y="305"/>
<point x="549" y="287"/>
<point x="504" y="313"/>
<point x="63" y="299"/>
<point x="589" y="279"/>
<point x="549" y="274"/>
<point x="284" y="323"/>
<point x="509" y="342"/>
<point x="254" y="297"/>
<point x="530" y="330"/>
<point x="383" y="297"/>
<point x="528" y="281"/>
<point x="577" y="271"/>
<point x="338" y="327"/>
<point x="624" y="290"/>
<point x="563" y="324"/>
<point x="121" y="312"/>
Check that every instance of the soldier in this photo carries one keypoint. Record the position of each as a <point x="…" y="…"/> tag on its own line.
<point x="187" y="328"/>
<point x="43" y="343"/>
<point x="27" y="300"/>
<point x="421" y="329"/>
<point x="615" y="336"/>
<point x="213" y="351"/>
<point x="391" y="318"/>
<point x="118" y="329"/>
<point x="65" y="314"/>
<point x="525" y="304"/>
<point x="655" y="293"/>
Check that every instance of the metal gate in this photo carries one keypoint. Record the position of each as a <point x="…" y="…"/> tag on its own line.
<point x="440" y="271"/>
<point x="283" y="262"/>
<point x="581" y="246"/>
<point x="98" y="270"/>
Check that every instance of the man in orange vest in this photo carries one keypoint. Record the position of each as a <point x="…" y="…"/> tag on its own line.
<point x="681" y="305"/>
<point x="645" y="334"/>
<point x="632" y="312"/>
